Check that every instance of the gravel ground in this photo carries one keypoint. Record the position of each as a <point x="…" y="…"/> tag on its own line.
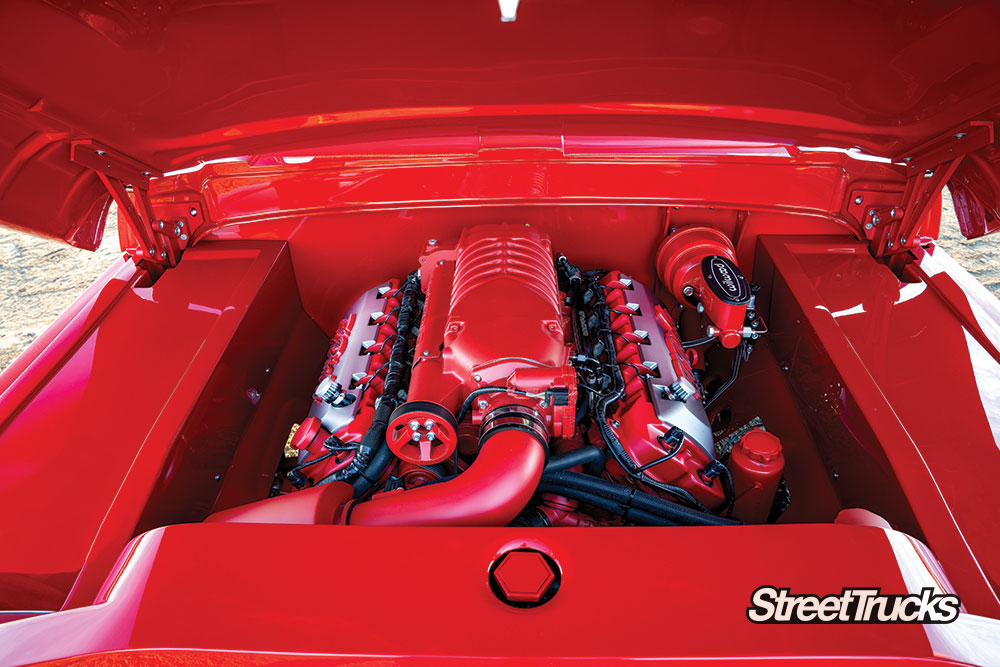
<point x="39" y="279"/>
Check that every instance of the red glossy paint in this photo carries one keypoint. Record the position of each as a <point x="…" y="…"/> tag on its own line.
<point x="885" y="77"/>
<point x="447" y="573"/>
<point x="164" y="396"/>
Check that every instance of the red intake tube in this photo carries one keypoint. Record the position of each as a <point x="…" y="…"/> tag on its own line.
<point x="494" y="489"/>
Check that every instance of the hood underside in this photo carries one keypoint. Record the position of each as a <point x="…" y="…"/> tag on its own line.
<point x="176" y="82"/>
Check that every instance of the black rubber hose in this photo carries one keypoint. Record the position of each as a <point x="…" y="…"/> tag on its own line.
<point x="634" y="498"/>
<point x="697" y="342"/>
<point x="492" y="389"/>
<point x="590" y="456"/>
<point x="630" y="514"/>
<point x="373" y="455"/>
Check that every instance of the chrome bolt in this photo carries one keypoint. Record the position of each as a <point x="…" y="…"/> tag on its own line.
<point x="218" y="477"/>
<point x="184" y="237"/>
<point x="477" y="378"/>
<point x="907" y="159"/>
<point x="875" y="219"/>
<point x="180" y="223"/>
<point x="429" y="424"/>
<point x="688" y="290"/>
<point x="192" y="211"/>
<point x="868" y="226"/>
<point x="432" y="242"/>
<point x="161" y="224"/>
<point x="415" y="437"/>
<point x="414" y="425"/>
<point x="889" y="244"/>
<point x="425" y="353"/>
<point x="99" y="152"/>
<point x="147" y="174"/>
<point x="871" y="213"/>
<point x="616" y="423"/>
<point x="163" y="254"/>
<point x="440" y="262"/>
<point x="902" y="240"/>
<point x="858" y="199"/>
<point x="960" y="135"/>
<point x="430" y="436"/>
<point x="483" y="404"/>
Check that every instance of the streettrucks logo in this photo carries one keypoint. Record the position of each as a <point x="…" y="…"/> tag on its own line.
<point x="770" y="604"/>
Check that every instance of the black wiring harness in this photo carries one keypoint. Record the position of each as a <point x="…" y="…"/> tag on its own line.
<point x="604" y="380"/>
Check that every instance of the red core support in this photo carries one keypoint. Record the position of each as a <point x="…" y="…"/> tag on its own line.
<point x="490" y="492"/>
<point x="680" y="264"/>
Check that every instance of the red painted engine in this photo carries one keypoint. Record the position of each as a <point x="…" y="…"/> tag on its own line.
<point x="492" y="337"/>
<point x="502" y="384"/>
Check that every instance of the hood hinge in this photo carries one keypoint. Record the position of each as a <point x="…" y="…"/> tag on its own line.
<point x="890" y="221"/>
<point x="157" y="243"/>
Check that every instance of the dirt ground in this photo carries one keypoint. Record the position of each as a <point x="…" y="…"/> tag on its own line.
<point x="39" y="278"/>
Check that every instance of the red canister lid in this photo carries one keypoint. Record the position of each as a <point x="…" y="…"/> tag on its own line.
<point x="760" y="446"/>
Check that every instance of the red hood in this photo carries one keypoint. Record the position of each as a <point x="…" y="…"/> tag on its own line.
<point x="172" y="83"/>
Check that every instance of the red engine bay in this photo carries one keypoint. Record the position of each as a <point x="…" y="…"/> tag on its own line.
<point x="454" y="331"/>
<point x="443" y="391"/>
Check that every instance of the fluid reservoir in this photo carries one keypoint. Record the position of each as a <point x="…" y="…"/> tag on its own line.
<point x="756" y="464"/>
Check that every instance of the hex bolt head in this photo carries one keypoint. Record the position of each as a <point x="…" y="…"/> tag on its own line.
<point x="415" y="437"/>
<point x="184" y="237"/>
<point x="192" y="211"/>
<point x="524" y="578"/>
<point x="868" y="226"/>
<point x="431" y="435"/>
<point x="858" y="199"/>
<point x="432" y="242"/>
<point x="414" y="425"/>
<point x="483" y="404"/>
<point x="429" y="424"/>
<point x="688" y="290"/>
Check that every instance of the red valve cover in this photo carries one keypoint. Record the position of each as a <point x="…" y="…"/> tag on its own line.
<point x="493" y="316"/>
